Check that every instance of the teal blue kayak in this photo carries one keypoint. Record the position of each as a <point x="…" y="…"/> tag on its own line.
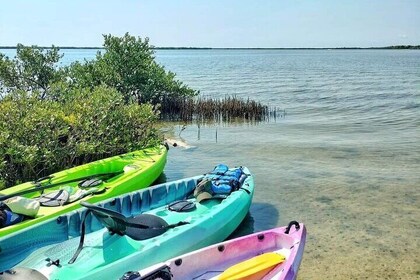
<point x="177" y="217"/>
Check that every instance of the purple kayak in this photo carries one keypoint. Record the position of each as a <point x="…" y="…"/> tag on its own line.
<point x="270" y="254"/>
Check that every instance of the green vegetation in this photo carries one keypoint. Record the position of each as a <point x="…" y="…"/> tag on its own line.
<point x="54" y="117"/>
<point x="210" y="110"/>
<point x="39" y="136"/>
<point x="128" y="65"/>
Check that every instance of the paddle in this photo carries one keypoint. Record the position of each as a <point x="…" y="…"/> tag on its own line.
<point x="39" y="187"/>
<point x="253" y="268"/>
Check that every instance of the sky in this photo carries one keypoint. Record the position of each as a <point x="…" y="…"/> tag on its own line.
<point x="213" y="23"/>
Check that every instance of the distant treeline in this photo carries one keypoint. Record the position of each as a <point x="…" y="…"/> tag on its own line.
<point x="397" y="47"/>
<point x="404" y="47"/>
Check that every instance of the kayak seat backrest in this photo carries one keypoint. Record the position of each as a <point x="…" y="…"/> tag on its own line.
<point x="108" y="218"/>
<point x="133" y="204"/>
<point x="140" y="227"/>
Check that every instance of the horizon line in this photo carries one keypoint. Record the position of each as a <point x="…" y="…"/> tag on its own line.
<point x="237" y="48"/>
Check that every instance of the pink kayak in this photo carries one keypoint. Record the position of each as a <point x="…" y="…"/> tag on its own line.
<point x="270" y="254"/>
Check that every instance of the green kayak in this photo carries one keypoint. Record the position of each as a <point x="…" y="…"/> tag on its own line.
<point x="61" y="192"/>
<point x="176" y="217"/>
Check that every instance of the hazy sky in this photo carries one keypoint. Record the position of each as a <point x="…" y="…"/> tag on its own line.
<point x="213" y="23"/>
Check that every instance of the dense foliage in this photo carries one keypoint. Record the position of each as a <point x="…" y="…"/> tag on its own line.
<point x="53" y="117"/>
<point x="39" y="137"/>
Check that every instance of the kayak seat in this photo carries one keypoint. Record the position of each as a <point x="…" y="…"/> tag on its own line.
<point x="140" y="227"/>
<point x="54" y="199"/>
<point x="90" y="183"/>
<point x="67" y="194"/>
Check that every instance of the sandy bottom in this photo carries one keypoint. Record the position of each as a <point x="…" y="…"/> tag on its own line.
<point x="360" y="225"/>
<point x="360" y="204"/>
<point x="360" y="235"/>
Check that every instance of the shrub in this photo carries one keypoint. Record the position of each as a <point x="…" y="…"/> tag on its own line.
<point x="33" y="69"/>
<point x="128" y="65"/>
<point x="54" y="117"/>
<point x="39" y="137"/>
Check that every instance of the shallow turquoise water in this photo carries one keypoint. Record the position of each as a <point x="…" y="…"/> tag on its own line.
<point x="344" y="159"/>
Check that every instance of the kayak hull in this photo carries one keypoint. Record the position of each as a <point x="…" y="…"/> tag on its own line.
<point x="109" y="256"/>
<point x="51" y="225"/>
<point x="210" y="262"/>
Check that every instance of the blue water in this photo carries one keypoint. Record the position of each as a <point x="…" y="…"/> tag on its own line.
<point x="344" y="158"/>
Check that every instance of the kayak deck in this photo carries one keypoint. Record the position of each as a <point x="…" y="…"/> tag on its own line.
<point x="106" y="255"/>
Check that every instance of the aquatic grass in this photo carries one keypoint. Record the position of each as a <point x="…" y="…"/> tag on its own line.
<point x="206" y="109"/>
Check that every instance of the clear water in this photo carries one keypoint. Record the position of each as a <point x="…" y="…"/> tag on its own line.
<point x="344" y="159"/>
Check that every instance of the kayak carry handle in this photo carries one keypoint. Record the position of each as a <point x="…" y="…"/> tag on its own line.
<point x="292" y="223"/>
<point x="162" y="272"/>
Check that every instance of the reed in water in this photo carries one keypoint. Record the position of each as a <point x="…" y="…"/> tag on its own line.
<point x="215" y="110"/>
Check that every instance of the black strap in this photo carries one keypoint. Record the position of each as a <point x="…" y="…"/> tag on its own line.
<point x="82" y="238"/>
<point x="246" y="190"/>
